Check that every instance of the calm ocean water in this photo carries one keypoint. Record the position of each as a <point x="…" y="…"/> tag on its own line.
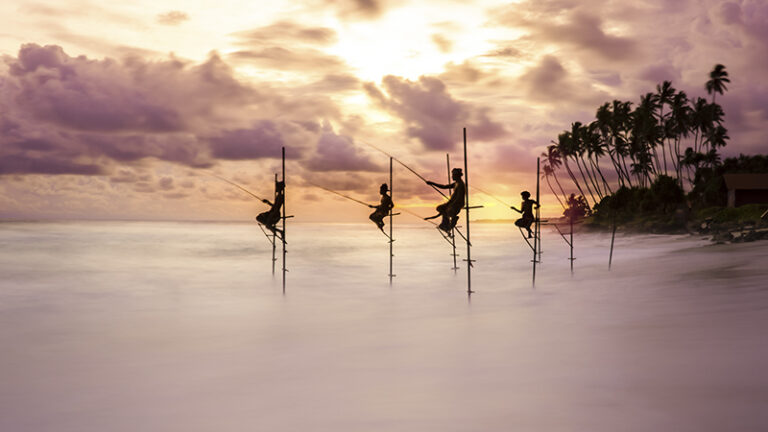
<point x="150" y="326"/>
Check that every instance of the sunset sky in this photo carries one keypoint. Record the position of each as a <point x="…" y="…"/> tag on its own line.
<point x="126" y="109"/>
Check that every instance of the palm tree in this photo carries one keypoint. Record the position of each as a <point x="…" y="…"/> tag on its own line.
<point x="564" y="144"/>
<point x="680" y="118"/>
<point x="605" y="124"/>
<point x="717" y="79"/>
<point x="664" y="94"/>
<point x="552" y="157"/>
<point x="550" y="172"/>
<point x="596" y="147"/>
<point x="620" y="129"/>
<point x="577" y="152"/>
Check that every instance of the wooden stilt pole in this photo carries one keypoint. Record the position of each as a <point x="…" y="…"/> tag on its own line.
<point x="469" y="245"/>
<point x="274" y="237"/>
<point x="571" y="243"/>
<point x="613" y="236"/>
<point x="285" y="215"/>
<point x="453" y="231"/>
<point x="391" y="239"/>
<point x="536" y="225"/>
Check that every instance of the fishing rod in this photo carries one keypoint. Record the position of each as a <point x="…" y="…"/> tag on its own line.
<point x="490" y="195"/>
<point x="406" y="167"/>
<point x="238" y="186"/>
<point x="339" y="194"/>
<point x="412" y="213"/>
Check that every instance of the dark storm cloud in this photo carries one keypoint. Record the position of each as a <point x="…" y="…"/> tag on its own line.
<point x="430" y="113"/>
<point x="172" y="18"/>
<point x="338" y="153"/>
<point x="287" y="31"/>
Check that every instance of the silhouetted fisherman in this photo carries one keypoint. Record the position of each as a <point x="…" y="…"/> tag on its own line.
<point x="450" y="209"/>
<point x="271" y="217"/>
<point x="382" y="210"/>
<point x="526" y="208"/>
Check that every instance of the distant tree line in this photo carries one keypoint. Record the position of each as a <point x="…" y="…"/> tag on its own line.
<point x="667" y="137"/>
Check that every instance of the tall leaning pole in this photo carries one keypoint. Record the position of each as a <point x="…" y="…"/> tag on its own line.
<point x="466" y="207"/>
<point x="274" y="237"/>
<point x="391" y="239"/>
<point x="536" y="225"/>
<point x="285" y="216"/>
<point x="453" y="230"/>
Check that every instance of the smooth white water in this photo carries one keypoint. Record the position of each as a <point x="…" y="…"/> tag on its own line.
<point x="128" y="326"/>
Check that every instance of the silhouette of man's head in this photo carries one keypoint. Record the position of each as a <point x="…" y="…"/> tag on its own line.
<point x="383" y="189"/>
<point x="456" y="173"/>
<point x="279" y="186"/>
<point x="525" y="194"/>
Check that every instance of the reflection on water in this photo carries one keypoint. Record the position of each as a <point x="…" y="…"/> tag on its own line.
<point x="182" y="327"/>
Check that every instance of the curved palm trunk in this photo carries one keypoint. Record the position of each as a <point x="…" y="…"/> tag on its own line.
<point x="663" y="151"/>
<point x="586" y="183"/>
<point x="616" y="168"/>
<point x="592" y="176"/>
<point x="553" y="191"/>
<point x="565" y="195"/>
<point x="677" y="163"/>
<point x="596" y="163"/>
<point x="573" y="177"/>
<point x="627" y="173"/>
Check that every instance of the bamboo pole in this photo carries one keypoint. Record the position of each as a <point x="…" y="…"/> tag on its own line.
<point x="391" y="239"/>
<point x="469" y="245"/>
<point x="274" y="237"/>
<point x="613" y="236"/>
<point x="536" y="222"/>
<point x="285" y="216"/>
<point x="571" y="243"/>
<point x="453" y="230"/>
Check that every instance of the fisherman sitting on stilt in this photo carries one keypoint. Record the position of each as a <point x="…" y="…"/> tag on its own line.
<point x="526" y="208"/>
<point x="450" y="209"/>
<point x="382" y="210"/>
<point x="271" y="217"/>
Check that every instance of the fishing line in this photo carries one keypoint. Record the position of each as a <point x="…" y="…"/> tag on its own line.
<point x="339" y="194"/>
<point x="406" y="167"/>
<point x="492" y="196"/>
<point x="238" y="186"/>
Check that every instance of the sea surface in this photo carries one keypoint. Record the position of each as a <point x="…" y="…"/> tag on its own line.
<point x="160" y="326"/>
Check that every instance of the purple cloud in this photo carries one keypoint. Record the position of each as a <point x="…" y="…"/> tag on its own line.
<point x="338" y="153"/>
<point x="98" y="114"/>
<point x="263" y="140"/>
<point x="22" y="164"/>
<point x="431" y="114"/>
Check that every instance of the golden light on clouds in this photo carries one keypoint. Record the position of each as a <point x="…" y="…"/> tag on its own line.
<point x="139" y="92"/>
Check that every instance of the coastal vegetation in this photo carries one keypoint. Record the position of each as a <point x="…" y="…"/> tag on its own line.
<point x="654" y="166"/>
